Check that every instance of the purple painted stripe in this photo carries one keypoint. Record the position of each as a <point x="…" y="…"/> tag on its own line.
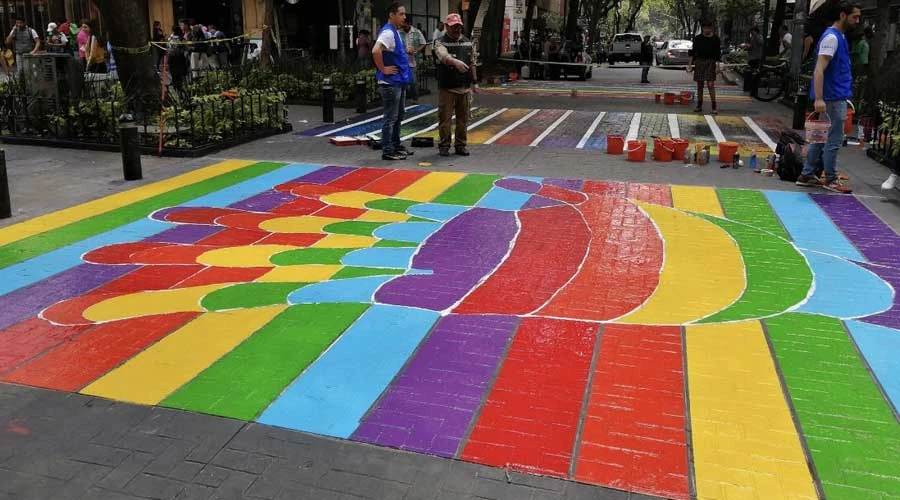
<point x="874" y="239"/>
<point x="185" y="233"/>
<point x="460" y="253"/>
<point x="538" y="201"/>
<point x="429" y="406"/>
<point x="29" y="301"/>
<point x="891" y="317"/>
<point x="325" y="175"/>
<point x="332" y="126"/>
<point x="264" y="202"/>
<point x="520" y="185"/>
<point x="572" y="184"/>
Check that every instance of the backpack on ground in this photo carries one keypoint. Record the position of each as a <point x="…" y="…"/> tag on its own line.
<point x="790" y="156"/>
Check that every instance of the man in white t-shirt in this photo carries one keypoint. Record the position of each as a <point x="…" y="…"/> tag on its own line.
<point x="24" y="40"/>
<point x="786" y="40"/>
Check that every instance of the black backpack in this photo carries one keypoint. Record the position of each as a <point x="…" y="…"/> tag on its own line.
<point x="790" y="156"/>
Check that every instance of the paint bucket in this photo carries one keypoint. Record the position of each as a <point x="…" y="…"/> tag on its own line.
<point x="848" y="123"/>
<point x="817" y="128"/>
<point x="686" y="97"/>
<point x="637" y="150"/>
<point x="669" y="98"/>
<point x="663" y="149"/>
<point x="681" y="146"/>
<point x="727" y="151"/>
<point x="615" y="144"/>
<point x="658" y="98"/>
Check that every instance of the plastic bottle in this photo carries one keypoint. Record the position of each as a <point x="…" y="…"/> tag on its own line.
<point x="736" y="160"/>
<point x="753" y="160"/>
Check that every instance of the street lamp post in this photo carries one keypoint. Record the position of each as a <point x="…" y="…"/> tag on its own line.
<point x="801" y="98"/>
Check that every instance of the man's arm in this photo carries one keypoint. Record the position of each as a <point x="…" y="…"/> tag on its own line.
<point x="37" y="41"/>
<point x="818" y="76"/>
<point x="378" y="58"/>
<point x="444" y="57"/>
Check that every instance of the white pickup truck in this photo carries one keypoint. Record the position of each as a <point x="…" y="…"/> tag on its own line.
<point x="626" y="47"/>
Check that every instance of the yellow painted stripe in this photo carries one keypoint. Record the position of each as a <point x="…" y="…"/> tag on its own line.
<point x="490" y="129"/>
<point x="150" y="303"/>
<point x="109" y="203"/>
<point x="744" y="441"/>
<point x="702" y="274"/>
<point x="176" y="359"/>
<point x="243" y="256"/>
<point x="429" y="187"/>
<point x="698" y="199"/>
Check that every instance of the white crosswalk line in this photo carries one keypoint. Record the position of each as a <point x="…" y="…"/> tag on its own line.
<point x="717" y="132"/>
<point x="537" y="140"/>
<point x="634" y="128"/>
<point x="356" y="124"/>
<point x="590" y="131"/>
<point x="763" y="136"/>
<point x="429" y="128"/>
<point x="487" y="118"/>
<point x="377" y="135"/>
<point x="674" y="131"/>
<point x="511" y="127"/>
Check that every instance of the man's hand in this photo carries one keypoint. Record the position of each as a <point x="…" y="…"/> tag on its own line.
<point x="819" y="106"/>
<point x="460" y="66"/>
<point x="390" y="70"/>
<point x="475" y="89"/>
<point x="689" y="68"/>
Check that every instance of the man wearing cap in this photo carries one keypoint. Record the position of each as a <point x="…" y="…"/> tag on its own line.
<point x="57" y="43"/>
<point x="456" y="77"/>
<point x="393" y="76"/>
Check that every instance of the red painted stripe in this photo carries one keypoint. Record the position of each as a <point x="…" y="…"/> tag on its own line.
<point x="337" y="212"/>
<point x="527" y="132"/>
<point x="658" y="194"/>
<point x="633" y="436"/>
<point x="622" y="266"/>
<point x="515" y="287"/>
<point x="87" y="357"/>
<point x="300" y="206"/>
<point x="530" y="418"/>
<point x="233" y="236"/>
<point x="606" y="188"/>
<point x="359" y="178"/>
<point x="149" y="278"/>
<point x="216" y="275"/>
<point x="175" y="254"/>
<point x="246" y="220"/>
<point x="31" y="337"/>
<point x="394" y="182"/>
<point x="307" y="189"/>
<point x="562" y="194"/>
<point x="120" y="253"/>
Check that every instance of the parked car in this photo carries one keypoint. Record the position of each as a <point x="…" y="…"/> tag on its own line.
<point x="674" y="53"/>
<point x="626" y="47"/>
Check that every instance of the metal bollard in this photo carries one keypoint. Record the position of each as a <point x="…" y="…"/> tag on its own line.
<point x="131" y="149"/>
<point x="5" y="205"/>
<point x="327" y="101"/>
<point x="800" y="102"/>
<point x="361" y="97"/>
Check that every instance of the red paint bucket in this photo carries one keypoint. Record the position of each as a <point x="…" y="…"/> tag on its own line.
<point x="615" y="144"/>
<point x="727" y="151"/>
<point x="658" y="97"/>
<point x="669" y="98"/>
<point x="686" y="98"/>
<point x="663" y="149"/>
<point x="637" y="150"/>
<point x="681" y="146"/>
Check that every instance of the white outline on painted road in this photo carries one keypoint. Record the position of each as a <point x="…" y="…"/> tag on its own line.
<point x="486" y="118"/>
<point x="716" y="131"/>
<point x="674" y="131"/>
<point x="511" y="127"/>
<point x="537" y="140"/>
<point x="760" y="132"/>
<point x="634" y="128"/>
<point x="377" y="134"/>
<point x="430" y="127"/>
<point x="356" y="124"/>
<point x="590" y="131"/>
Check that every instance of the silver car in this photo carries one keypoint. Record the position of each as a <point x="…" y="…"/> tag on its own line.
<point x="674" y="53"/>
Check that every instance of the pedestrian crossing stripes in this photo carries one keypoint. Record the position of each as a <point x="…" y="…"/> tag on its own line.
<point x="637" y="91"/>
<point x="575" y="129"/>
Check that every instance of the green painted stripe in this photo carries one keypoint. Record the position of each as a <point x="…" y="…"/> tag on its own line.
<point x="246" y="380"/>
<point x="27" y="248"/>
<point x="396" y="244"/>
<point x="310" y="256"/>
<point x="391" y="205"/>
<point x="356" y="272"/>
<point x="246" y="295"/>
<point x="360" y="228"/>
<point x="778" y="276"/>
<point x="853" y="436"/>
<point x="468" y="190"/>
<point x="751" y="208"/>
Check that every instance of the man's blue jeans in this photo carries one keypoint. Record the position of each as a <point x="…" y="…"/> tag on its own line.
<point x="392" y="100"/>
<point x="837" y="113"/>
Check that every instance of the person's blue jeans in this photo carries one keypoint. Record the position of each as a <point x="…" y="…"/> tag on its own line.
<point x="392" y="101"/>
<point x="828" y="151"/>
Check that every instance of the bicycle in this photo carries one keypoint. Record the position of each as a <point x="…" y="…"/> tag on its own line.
<point x="771" y="81"/>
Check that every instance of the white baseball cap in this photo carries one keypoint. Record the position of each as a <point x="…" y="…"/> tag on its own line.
<point x="51" y="26"/>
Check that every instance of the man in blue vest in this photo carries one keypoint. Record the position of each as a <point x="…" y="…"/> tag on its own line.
<point x="832" y="85"/>
<point x="393" y="76"/>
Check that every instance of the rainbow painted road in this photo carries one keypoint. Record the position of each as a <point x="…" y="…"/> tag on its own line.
<point x="669" y="340"/>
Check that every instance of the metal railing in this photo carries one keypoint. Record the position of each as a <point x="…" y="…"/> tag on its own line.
<point x="883" y="140"/>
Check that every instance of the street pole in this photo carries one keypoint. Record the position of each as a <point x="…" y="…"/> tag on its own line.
<point x="801" y="98"/>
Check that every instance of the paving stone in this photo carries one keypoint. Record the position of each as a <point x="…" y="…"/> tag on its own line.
<point x="97" y="493"/>
<point x="264" y="488"/>
<point x="185" y="471"/>
<point x="170" y="458"/>
<point x="126" y="471"/>
<point x="299" y="492"/>
<point x="98" y="454"/>
<point x="361" y="485"/>
<point x="196" y="492"/>
<point x="500" y="490"/>
<point x="234" y="486"/>
<point x="212" y="475"/>
<point x="241" y="461"/>
<point x="145" y="485"/>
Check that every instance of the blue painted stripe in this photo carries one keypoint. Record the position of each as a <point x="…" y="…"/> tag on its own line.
<point x="436" y="211"/>
<point x="379" y="257"/>
<point x="504" y="199"/>
<point x="335" y="392"/>
<point x="375" y="126"/>
<point x="350" y="290"/>
<point x="43" y="266"/>
<point x="809" y="226"/>
<point x="415" y="232"/>
<point x="844" y="289"/>
<point x="881" y="348"/>
<point x="538" y="180"/>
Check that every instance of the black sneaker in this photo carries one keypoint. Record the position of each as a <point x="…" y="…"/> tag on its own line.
<point x="444" y="152"/>
<point x="403" y="150"/>
<point x="462" y="151"/>
<point x="393" y="156"/>
<point x="698" y="109"/>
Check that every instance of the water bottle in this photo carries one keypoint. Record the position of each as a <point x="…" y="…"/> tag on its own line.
<point x="753" y="160"/>
<point x="736" y="160"/>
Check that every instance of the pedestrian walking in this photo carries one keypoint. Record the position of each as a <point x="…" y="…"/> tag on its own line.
<point x="24" y="40"/>
<point x="393" y="76"/>
<point x="646" y="58"/>
<point x="832" y="86"/>
<point x="705" y="56"/>
<point x="456" y="77"/>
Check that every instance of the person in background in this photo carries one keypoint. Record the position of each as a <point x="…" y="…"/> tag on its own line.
<point x="859" y="57"/>
<point x="177" y="59"/>
<point x="57" y="43"/>
<point x="393" y="76"/>
<point x="217" y="52"/>
<point x="438" y="32"/>
<point x="456" y="77"/>
<point x="784" y="50"/>
<point x="158" y="37"/>
<point x="23" y="40"/>
<point x="84" y="35"/>
<point x="705" y="56"/>
<point x="832" y="86"/>
<point x="415" y="43"/>
<point x="754" y="47"/>
<point x="111" y="60"/>
<point x="646" y="58"/>
<point x="364" y="49"/>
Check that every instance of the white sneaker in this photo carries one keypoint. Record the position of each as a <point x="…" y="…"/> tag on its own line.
<point x="891" y="182"/>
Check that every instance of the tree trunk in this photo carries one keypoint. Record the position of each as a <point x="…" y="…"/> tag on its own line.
<point x="129" y="28"/>
<point x="529" y="20"/>
<point x="633" y="11"/>
<point x="268" y="49"/>
<point x="878" y="47"/>
<point x="777" y="21"/>
<point x="574" y="8"/>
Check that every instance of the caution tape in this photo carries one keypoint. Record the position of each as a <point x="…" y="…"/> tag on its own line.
<point x="597" y="65"/>
<point x="166" y="45"/>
